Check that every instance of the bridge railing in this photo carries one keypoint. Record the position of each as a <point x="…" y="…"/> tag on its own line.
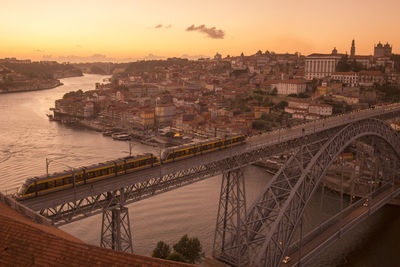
<point x="336" y="218"/>
<point x="10" y="192"/>
<point x="32" y="215"/>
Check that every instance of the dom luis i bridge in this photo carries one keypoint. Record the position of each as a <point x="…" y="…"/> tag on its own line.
<point x="269" y="231"/>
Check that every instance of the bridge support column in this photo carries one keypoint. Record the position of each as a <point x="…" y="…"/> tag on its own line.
<point x="115" y="227"/>
<point x="230" y="219"/>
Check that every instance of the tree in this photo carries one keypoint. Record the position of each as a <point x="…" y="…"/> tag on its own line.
<point x="162" y="250"/>
<point x="343" y="65"/>
<point x="281" y="105"/>
<point x="190" y="249"/>
<point x="176" y="256"/>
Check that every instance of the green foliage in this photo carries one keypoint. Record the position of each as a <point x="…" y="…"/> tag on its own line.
<point x="97" y="70"/>
<point x="261" y="125"/>
<point x="41" y="70"/>
<point x="152" y="65"/>
<point x="78" y="93"/>
<point x="343" y="65"/>
<point x="190" y="248"/>
<point x="208" y="93"/>
<point x="274" y="91"/>
<point x="390" y="93"/>
<point x="259" y="92"/>
<point x="162" y="250"/>
<point x="170" y="134"/>
<point x="176" y="256"/>
<point x="186" y="250"/>
<point x="338" y="108"/>
<point x="281" y="105"/>
<point x="259" y="98"/>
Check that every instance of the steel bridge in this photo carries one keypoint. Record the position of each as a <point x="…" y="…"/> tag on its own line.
<point x="264" y="233"/>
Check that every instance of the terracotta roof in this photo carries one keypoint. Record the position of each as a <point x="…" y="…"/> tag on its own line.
<point x="371" y="72"/>
<point x="25" y="243"/>
<point x="345" y="73"/>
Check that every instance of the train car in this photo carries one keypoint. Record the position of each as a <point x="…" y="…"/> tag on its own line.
<point x="58" y="181"/>
<point x="192" y="149"/>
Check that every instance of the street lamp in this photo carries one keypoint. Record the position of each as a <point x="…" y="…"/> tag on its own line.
<point x="130" y="148"/>
<point x="48" y="161"/>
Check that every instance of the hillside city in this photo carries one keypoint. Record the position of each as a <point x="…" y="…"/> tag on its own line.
<point x="204" y="98"/>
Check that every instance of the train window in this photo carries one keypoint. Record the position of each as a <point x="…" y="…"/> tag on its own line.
<point x="78" y="177"/>
<point x="68" y="180"/>
<point x="31" y="189"/>
<point x="58" y="182"/>
<point x="41" y="186"/>
<point x="50" y="184"/>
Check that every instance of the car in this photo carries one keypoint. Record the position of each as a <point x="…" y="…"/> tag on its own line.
<point x="286" y="259"/>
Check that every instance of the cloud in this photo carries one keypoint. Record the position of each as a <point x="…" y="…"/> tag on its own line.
<point x="159" y="26"/>
<point x="39" y="50"/>
<point x="211" y="32"/>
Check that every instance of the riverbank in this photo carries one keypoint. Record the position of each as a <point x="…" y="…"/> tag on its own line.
<point x="31" y="88"/>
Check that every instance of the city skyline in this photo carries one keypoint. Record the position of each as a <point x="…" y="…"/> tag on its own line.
<point x="129" y="30"/>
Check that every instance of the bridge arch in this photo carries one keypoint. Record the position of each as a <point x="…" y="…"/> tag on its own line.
<point x="274" y="216"/>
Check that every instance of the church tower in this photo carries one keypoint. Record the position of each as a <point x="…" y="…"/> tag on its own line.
<point x="353" y="49"/>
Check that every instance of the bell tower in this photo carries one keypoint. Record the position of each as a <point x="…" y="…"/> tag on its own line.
<point x="353" y="49"/>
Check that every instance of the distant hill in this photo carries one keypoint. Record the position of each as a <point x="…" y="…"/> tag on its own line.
<point x="44" y="70"/>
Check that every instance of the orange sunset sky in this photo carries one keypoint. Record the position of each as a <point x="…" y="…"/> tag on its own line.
<point x="164" y="28"/>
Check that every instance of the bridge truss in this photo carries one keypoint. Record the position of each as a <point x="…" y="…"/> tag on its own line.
<point x="240" y="233"/>
<point x="263" y="236"/>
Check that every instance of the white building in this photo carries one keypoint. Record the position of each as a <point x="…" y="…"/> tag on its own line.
<point x="320" y="109"/>
<point x="349" y="78"/>
<point x="305" y="110"/>
<point x="287" y="87"/>
<point x="321" y="65"/>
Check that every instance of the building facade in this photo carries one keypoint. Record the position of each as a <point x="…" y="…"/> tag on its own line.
<point x="349" y="78"/>
<point x="321" y="65"/>
<point x="287" y="87"/>
<point x="382" y="50"/>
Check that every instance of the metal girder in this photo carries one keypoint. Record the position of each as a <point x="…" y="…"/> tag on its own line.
<point x="230" y="218"/>
<point x="94" y="204"/>
<point x="116" y="230"/>
<point x="115" y="227"/>
<point x="273" y="217"/>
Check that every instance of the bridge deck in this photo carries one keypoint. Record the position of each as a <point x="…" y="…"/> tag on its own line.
<point x="335" y="231"/>
<point x="304" y="132"/>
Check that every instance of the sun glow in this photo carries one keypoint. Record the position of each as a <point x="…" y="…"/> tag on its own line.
<point x="135" y="29"/>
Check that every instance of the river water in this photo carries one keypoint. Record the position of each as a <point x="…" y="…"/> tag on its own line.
<point x="27" y="138"/>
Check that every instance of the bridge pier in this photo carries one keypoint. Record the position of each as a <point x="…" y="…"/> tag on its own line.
<point x="231" y="219"/>
<point x="115" y="227"/>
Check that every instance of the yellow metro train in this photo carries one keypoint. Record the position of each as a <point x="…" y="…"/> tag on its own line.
<point x="58" y="181"/>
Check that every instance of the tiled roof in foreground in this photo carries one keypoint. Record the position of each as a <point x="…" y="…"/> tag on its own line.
<point x="25" y="243"/>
